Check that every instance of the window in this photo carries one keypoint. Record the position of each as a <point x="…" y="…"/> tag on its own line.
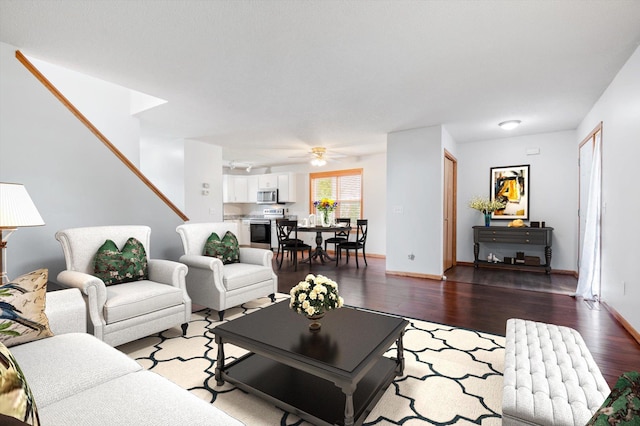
<point x="344" y="186"/>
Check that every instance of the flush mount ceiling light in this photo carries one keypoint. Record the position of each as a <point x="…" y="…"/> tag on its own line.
<point x="318" y="156"/>
<point x="509" y="125"/>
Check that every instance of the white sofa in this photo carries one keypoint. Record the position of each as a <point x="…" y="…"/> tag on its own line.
<point x="76" y="379"/>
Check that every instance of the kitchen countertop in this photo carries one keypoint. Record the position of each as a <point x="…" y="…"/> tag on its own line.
<point x="259" y="216"/>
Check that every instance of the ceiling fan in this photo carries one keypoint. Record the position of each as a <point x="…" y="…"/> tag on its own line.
<point x="319" y="156"/>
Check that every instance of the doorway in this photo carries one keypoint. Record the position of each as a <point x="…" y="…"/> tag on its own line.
<point x="450" y="208"/>
<point x="585" y="162"/>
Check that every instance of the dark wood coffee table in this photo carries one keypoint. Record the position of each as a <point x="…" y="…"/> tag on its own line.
<point x="332" y="377"/>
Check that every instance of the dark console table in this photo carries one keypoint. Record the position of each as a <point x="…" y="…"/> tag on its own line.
<point x="506" y="235"/>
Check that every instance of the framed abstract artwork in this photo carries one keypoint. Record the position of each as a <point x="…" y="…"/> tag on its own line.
<point x="510" y="185"/>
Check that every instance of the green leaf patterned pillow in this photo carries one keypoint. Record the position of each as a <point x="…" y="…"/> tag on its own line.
<point x="227" y="249"/>
<point x="114" y="266"/>
<point x="16" y="399"/>
<point x="622" y="406"/>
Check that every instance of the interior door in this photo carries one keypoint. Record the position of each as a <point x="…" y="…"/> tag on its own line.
<point x="449" y="214"/>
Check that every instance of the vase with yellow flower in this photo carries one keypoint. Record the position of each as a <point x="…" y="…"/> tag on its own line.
<point x="325" y="206"/>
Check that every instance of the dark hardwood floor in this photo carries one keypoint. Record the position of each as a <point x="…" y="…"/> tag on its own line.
<point x="485" y="305"/>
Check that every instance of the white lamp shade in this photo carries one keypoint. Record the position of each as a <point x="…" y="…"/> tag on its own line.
<point x="16" y="208"/>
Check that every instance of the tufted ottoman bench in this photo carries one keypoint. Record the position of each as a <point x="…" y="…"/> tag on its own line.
<point x="550" y="377"/>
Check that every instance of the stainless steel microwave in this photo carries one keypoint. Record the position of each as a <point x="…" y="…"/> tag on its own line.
<point x="267" y="196"/>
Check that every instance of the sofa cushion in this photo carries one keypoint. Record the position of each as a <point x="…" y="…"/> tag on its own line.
<point x="141" y="398"/>
<point x="133" y="299"/>
<point x="227" y="249"/>
<point x="22" y="303"/>
<point x="16" y="398"/>
<point x="238" y="275"/>
<point x="64" y="365"/>
<point x="622" y="406"/>
<point x="115" y="266"/>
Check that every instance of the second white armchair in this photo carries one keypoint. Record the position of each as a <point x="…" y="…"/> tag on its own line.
<point x="218" y="286"/>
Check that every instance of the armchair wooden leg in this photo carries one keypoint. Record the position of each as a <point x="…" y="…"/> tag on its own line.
<point x="221" y="315"/>
<point x="184" y="328"/>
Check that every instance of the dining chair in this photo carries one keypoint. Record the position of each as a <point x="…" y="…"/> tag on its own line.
<point x="288" y="241"/>
<point x="340" y="236"/>
<point x="360" y="243"/>
<point x="283" y="239"/>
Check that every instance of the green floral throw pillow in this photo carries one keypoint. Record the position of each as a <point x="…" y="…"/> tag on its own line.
<point x="22" y="304"/>
<point x="227" y="249"/>
<point x="114" y="266"/>
<point x="16" y="399"/>
<point x="622" y="406"/>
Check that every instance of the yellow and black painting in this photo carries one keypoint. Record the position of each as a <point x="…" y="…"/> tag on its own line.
<point x="510" y="185"/>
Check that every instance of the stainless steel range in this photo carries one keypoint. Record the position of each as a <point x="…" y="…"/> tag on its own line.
<point x="261" y="228"/>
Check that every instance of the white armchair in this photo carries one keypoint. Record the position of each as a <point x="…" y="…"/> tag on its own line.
<point x="217" y="286"/>
<point x="124" y="312"/>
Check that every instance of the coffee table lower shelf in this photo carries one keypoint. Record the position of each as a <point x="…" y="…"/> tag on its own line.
<point x="312" y="398"/>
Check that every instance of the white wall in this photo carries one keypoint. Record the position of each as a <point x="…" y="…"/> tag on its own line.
<point x="162" y="162"/>
<point x="106" y="105"/>
<point x="73" y="179"/>
<point x="619" y="110"/>
<point x="374" y="188"/>
<point x="414" y="202"/>
<point x="203" y="164"/>
<point x="553" y="191"/>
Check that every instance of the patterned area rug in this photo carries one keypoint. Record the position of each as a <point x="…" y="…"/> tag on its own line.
<point x="451" y="376"/>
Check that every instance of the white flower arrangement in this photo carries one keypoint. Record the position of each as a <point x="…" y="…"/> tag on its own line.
<point x="486" y="205"/>
<point x="315" y="295"/>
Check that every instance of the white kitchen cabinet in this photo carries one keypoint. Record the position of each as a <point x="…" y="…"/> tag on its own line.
<point x="244" y="232"/>
<point x="235" y="189"/>
<point x="252" y="189"/>
<point x="268" y="181"/>
<point x="286" y="187"/>
<point x="244" y="189"/>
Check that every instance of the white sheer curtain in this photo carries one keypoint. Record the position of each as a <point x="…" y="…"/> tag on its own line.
<point x="589" y="274"/>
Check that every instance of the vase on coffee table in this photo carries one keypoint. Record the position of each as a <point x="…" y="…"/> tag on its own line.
<point x="315" y="324"/>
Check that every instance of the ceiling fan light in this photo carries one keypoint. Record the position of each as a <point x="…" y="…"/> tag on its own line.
<point x="510" y="124"/>
<point x="318" y="162"/>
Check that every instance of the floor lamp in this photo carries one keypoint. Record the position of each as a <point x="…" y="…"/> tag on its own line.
<point x="16" y="210"/>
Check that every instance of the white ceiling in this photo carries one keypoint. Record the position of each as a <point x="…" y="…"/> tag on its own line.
<point x="267" y="80"/>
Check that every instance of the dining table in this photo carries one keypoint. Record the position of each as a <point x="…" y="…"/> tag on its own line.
<point x="319" y="252"/>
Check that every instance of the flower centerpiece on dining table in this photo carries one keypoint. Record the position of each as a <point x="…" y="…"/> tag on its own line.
<point x="486" y="206"/>
<point x="326" y="206"/>
<point x="313" y="297"/>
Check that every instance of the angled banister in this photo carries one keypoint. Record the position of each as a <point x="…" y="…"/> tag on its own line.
<point x="37" y="74"/>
